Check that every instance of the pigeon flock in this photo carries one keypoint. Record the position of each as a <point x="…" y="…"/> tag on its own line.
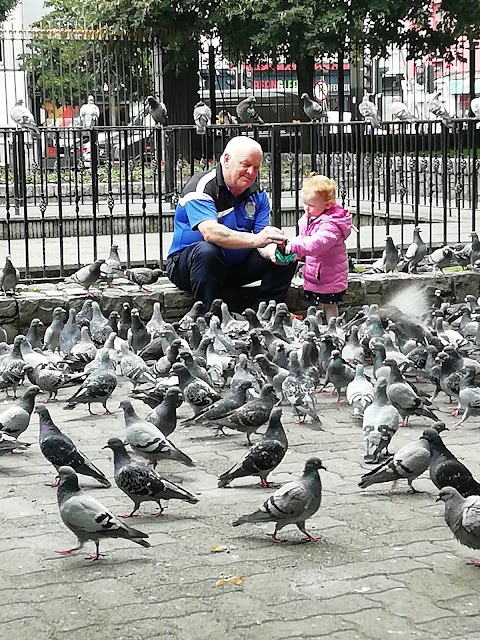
<point x="256" y="377"/>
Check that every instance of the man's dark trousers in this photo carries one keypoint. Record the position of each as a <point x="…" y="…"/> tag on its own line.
<point x="201" y="269"/>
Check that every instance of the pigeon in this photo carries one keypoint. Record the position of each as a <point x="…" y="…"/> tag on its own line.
<point x="51" y="338"/>
<point x="88" y="275"/>
<point x="50" y="379"/>
<point x="12" y="367"/>
<point x="408" y="463"/>
<point x="469" y="395"/>
<point x="339" y="373"/>
<point x="98" y="387"/>
<point x="112" y="268"/>
<point x="225" y="117"/>
<point x="142" y="276"/>
<point x="293" y="503"/>
<point x="400" y="112"/>
<point x="389" y="260"/>
<point x="8" y="444"/>
<point x="196" y="392"/>
<point x="152" y="396"/>
<point x="475" y="255"/>
<point x="14" y="420"/>
<point x="85" y="314"/>
<point x="133" y="367"/>
<point x="313" y="109"/>
<point x="403" y="397"/>
<point x="299" y="390"/>
<point x="264" y="456"/>
<point x="251" y="416"/>
<point x="462" y="516"/>
<point x="70" y="335"/>
<point x="246" y="111"/>
<point x="370" y="112"/>
<point x="140" y="482"/>
<point x="380" y="423"/>
<point x="33" y="337"/>
<point x="446" y="470"/>
<point x="156" y="323"/>
<point x="89" y="113"/>
<point x="59" y="450"/>
<point x="137" y="336"/>
<point x="438" y="109"/>
<point x="222" y="407"/>
<point x="9" y="276"/>
<point x="83" y="352"/>
<point x="164" y="415"/>
<point x="87" y="518"/>
<point x="24" y="119"/>
<point x="475" y="107"/>
<point x="441" y="258"/>
<point x="202" y="116"/>
<point x="157" y="110"/>
<point x="415" y="253"/>
<point x="149" y="442"/>
<point x="359" y="393"/>
<point x="352" y="351"/>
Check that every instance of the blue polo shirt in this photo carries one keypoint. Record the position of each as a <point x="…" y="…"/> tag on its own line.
<point x="207" y="197"/>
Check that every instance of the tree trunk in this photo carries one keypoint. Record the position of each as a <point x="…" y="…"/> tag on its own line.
<point x="305" y="76"/>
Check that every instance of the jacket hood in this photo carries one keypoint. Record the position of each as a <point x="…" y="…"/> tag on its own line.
<point x="338" y="216"/>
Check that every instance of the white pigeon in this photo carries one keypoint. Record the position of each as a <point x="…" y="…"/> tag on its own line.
<point x="202" y="116"/>
<point x="400" y="112"/>
<point x="89" y="113"/>
<point x="380" y="422"/>
<point x="24" y="119"/>
<point x="370" y="112"/>
<point x="475" y="107"/>
<point x="359" y="393"/>
<point x="438" y="109"/>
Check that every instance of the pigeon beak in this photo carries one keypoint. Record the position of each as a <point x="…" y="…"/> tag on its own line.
<point x="106" y="447"/>
<point x="323" y="467"/>
<point x="438" y="499"/>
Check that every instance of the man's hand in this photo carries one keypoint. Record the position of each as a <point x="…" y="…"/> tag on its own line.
<point x="269" y="235"/>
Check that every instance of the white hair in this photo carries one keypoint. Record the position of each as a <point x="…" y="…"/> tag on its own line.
<point x="241" y="143"/>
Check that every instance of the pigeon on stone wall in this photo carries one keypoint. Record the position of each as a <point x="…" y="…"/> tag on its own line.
<point x="87" y="518"/>
<point x="475" y="107"/>
<point x="87" y="276"/>
<point x="370" y="112"/>
<point x="9" y="276"/>
<point x="157" y="110"/>
<point x="247" y="113"/>
<point x="313" y="109"/>
<point x="89" y="113"/>
<point x="24" y="119"/>
<point x="202" y="116"/>
<point x="142" y="276"/>
<point x="293" y="503"/>
<point x="113" y="265"/>
<point x="441" y="258"/>
<point x="415" y="253"/>
<point x="140" y="482"/>
<point x="390" y="258"/>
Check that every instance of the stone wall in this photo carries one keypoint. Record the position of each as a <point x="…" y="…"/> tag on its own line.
<point x="39" y="300"/>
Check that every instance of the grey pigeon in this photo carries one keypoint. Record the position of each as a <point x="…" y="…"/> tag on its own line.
<point x="408" y="463"/>
<point x="415" y="253"/>
<point x="156" y="109"/>
<point x="51" y="339"/>
<point x="313" y="109"/>
<point x="15" y="419"/>
<point x="12" y="367"/>
<point x="8" y="444"/>
<point x="125" y="321"/>
<point x="24" y="119"/>
<point x="33" y="336"/>
<point x="294" y="503"/>
<point x="59" y="450"/>
<point x="299" y="390"/>
<point x="390" y="258"/>
<point x="134" y="367"/>
<point x="462" y="516"/>
<point x="400" y="112"/>
<point x="191" y="316"/>
<point x="85" y="314"/>
<point x="196" y="392"/>
<point x="9" y="276"/>
<point x="140" y="482"/>
<point x="148" y="441"/>
<point x="202" y="116"/>
<point x="112" y="268"/>
<point x="380" y="423"/>
<point x="264" y="456"/>
<point x="152" y="396"/>
<point x="446" y="470"/>
<point x="469" y="395"/>
<point x="437" y="107"/>
<point x="88" y="275"/>
<point x="98" y="387"/>
<point x="403" y="397"/>
<point x="441" y="258"/>
<point x="70" y="334"/>
<point x="370" y="112"/>
<point x="142" y="276"/>
<point x="164" y="415"/>
<point x="247" y="113"/>
<point x="156" y="323"/>
<point x="89" y="113"/>
<point x="137" y="336"/>
<point x="50" y="379"/>
<point x="339" y="373"/>
<point x="87" y="518"/>
<point x="251" y="416"/>
<point x="194" y="368"/>
<point x="475" y="107"/>
<point x="83" y="352"/>
<point x="222" y="407"/>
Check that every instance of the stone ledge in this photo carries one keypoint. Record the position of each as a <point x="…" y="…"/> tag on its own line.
<point x="40" y="300"/>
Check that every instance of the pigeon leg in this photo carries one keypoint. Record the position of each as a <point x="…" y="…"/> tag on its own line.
<point x="338" y="397"/>
<point x="97" y="554"/>
<point x="264" y="483"/>
<point x="274" y="538"/>
<point x="474" y="563"/>
<point x="309" y="538"/>
<point x="90" y="411"/>
<point x="160" y="509"/>
<point x="130" y="515"/>
<point x="67" y="552"/>
<point x="412" y="489"/>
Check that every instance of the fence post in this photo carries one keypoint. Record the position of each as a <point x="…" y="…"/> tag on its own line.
<point x="169" y="168"/>
<point x="19" y="172"/>
<point x="276" y="177"/>
<point x="212" y="81"/>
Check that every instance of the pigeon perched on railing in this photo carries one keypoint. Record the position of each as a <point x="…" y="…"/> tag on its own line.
<point x="24" y="119"/>
<point x="247" y="113"/>
<point x="157" y="110"/>
<point x="202" y="116"/>
<point x="370" y="112"/>
<point x="313" y="110"/>
<point x="437" y="107"/>
<point x="89" y="113"/>
<point x="475" y="107"/>
<point x="400" y="112"/>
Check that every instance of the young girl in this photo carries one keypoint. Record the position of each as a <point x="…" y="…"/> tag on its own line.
<point x="323" y="230"/>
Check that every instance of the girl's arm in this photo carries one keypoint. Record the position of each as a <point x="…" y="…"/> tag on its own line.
<point x="317" y="244"/>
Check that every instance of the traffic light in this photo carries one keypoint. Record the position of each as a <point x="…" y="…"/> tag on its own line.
<point x="420" y="74"/>
<point x="367" y="76"/>
<point x="430" y="78"/>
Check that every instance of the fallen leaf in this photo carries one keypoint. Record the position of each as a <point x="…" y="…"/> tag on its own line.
<point x="237" y="580"/>
<point x="219" y="549"/>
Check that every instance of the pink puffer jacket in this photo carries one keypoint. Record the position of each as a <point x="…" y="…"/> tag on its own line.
<point x="322" y="242"/>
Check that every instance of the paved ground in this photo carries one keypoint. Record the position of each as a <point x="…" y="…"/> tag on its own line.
<point x="386" y="565"/>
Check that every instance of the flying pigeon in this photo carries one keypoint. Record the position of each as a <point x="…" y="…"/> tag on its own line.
<point x="400" y="112"/>
<point x="293" y="503"/>
<point x="247" y="113"/>
<point x="370" y="112"/>
<point x="462" y="516"/>
<point x="157" y="110"/>
<point x="140" y="482"/>
<point x="24" y="119"/>
<point x="59" y="450"/>
<point x="9" y="276"/>
<point x="202" y="116"/>
<point x="88" y="275"/>
<point x="264" y="456"/>
<point x="313" y="109"/>
<point x="438" y="109"/>
<point x="89" y="113"/>
<point x="87" y="518"/>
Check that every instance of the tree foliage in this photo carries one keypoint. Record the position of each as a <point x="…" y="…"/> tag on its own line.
<point x="6" y="7"/>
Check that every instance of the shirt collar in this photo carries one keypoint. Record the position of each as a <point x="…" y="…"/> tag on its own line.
<point x="244" y="195"/>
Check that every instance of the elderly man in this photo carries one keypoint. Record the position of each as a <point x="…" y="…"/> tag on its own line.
<point x="222" y="237"/>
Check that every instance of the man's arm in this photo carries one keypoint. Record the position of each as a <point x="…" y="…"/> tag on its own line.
<point x="219" y="234"/>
